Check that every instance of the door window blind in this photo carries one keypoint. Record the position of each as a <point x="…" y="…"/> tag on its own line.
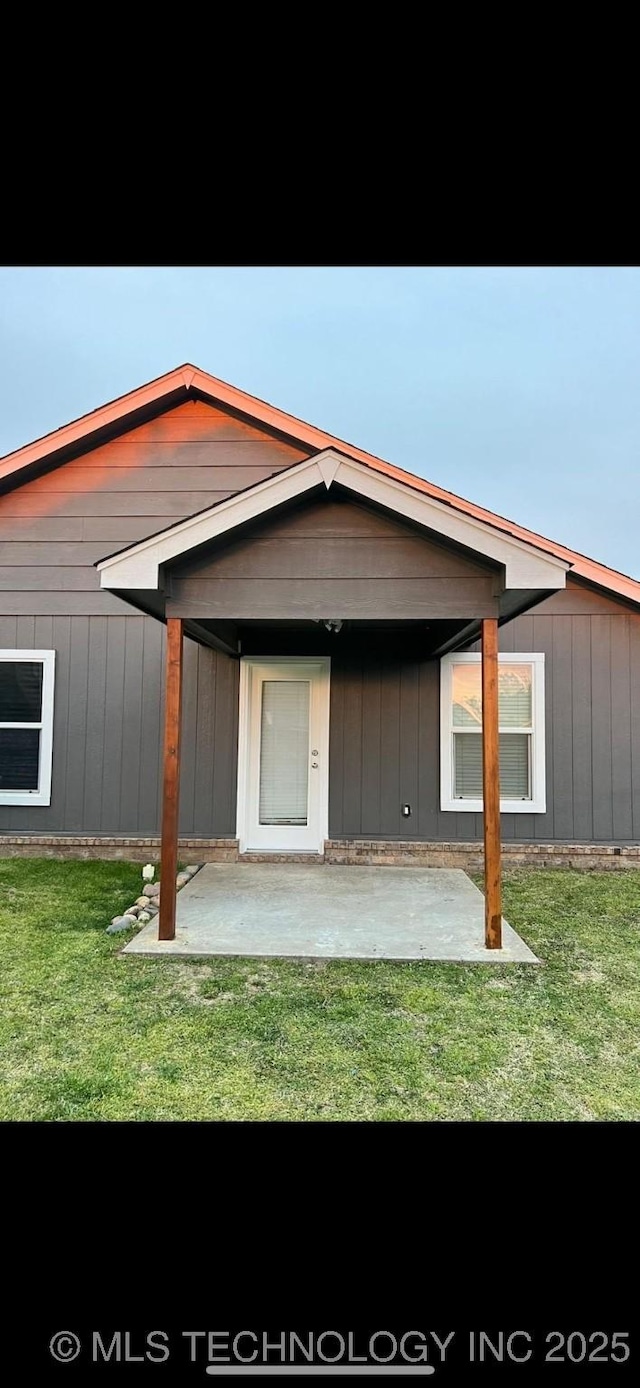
<point x="284" y="752"/>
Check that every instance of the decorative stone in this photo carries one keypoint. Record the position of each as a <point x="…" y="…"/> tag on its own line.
<point x="142" y="901"/>
<point x="132" y="910"/>
<point x="144" y="917"/>
<point x="193" y="869"/>
<point x="182" y="879"/>
<point x="153" y="889"/>
<point x="152" y="910"/>
<point x="119" y="923"/>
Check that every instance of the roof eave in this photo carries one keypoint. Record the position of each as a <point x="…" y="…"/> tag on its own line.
<point x="187" y="378"/>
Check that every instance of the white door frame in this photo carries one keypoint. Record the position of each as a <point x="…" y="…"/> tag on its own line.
<point x="248" y="754"/>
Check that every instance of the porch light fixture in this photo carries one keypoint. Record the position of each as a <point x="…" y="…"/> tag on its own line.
<point x="334" y="626"/>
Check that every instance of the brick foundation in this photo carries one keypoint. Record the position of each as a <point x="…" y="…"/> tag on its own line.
<point x="366" y="852"/>
<point x="133" y="850"/>
<point x="378" y="852"/>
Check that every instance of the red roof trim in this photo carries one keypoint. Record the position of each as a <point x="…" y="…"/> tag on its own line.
<point x="188" y="377"/>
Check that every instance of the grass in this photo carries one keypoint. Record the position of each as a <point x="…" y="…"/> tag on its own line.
<point x="88" y="1034"/>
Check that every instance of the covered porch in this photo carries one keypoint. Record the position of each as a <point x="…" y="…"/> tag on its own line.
<point x="323" y="556"/>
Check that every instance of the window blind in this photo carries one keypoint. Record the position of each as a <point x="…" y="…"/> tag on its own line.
<point x="284" y="752"/>
<point x="514" y="696"/>
<point x="515" y="772"/>
<point x="467" y="696"/>
<point x="515" y="775"/>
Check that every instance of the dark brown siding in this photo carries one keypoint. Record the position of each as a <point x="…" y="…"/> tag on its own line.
<point x="335" y="559"/>
<point x="411" y="599"/>
<point x="54" y="528"/>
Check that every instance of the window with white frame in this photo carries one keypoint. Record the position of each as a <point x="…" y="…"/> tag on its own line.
<point x="26" y="726"/>
<point x="521" y="714"/>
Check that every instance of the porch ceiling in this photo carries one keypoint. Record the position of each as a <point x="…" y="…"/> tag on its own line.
<point x="381" y="639"/>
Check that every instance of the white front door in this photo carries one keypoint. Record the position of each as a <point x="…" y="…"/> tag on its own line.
<point x="283" y="754"/>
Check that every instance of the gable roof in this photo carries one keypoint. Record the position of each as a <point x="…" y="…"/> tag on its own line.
<point x="139" y="566"/>
<point x="178" y="385"/>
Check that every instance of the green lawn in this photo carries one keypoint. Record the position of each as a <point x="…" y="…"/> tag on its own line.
<point x="88" y="1034"/>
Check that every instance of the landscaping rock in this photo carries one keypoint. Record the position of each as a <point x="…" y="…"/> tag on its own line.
<point x="193" y="869"/>
<point x="152" y="890"/>
<point x="144" y="917"/>
<point x="152" y="910"/>
<point x="142" y="901"/>
<point x="119" y="923"/>
<point x="132" y="910"/>
<point x="182" y="879"/>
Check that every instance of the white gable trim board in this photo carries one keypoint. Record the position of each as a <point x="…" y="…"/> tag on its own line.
<point x="139" y="566"/>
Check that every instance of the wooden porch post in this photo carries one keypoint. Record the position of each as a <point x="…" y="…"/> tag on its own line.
<point x="171" y="780"/>
<point x="491" y="785"/>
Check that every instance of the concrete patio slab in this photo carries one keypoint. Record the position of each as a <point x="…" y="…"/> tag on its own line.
<point x="327" y="911"/>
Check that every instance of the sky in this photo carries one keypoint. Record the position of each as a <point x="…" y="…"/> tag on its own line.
<point x="516" y="387"/>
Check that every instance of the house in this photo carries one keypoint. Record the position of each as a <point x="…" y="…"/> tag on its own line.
<point x="220" y="620"/>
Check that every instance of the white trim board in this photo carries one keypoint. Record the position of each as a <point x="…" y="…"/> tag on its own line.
<point x="139" y="566"/>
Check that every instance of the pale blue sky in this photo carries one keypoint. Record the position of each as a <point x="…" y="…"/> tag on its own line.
<point x="518" y="388"/>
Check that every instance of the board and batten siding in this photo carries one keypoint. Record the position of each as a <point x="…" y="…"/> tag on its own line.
<point x="384" y="735"/>
<point x="385" y="747"/>
<point x="107" y="729"/>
